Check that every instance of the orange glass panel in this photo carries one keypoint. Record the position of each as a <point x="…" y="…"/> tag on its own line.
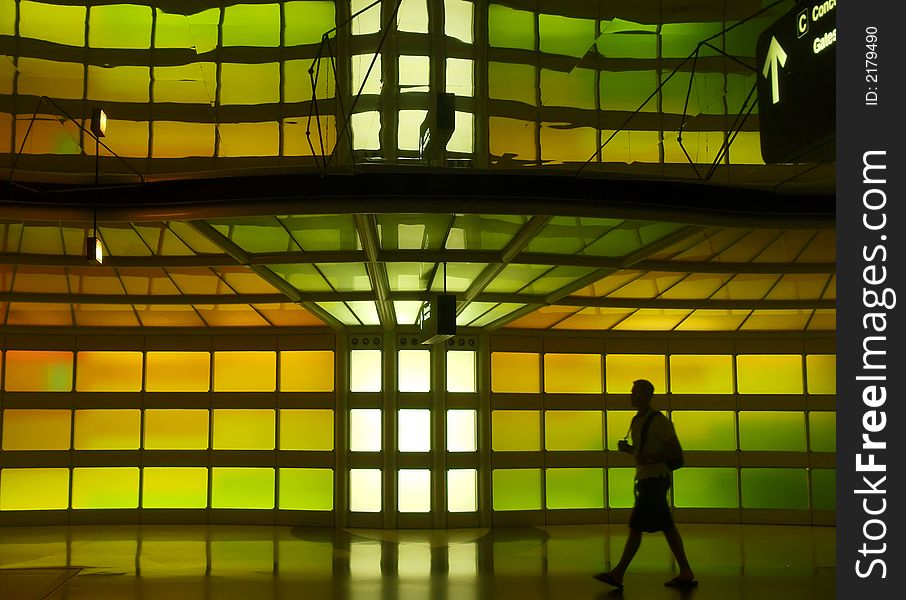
<point x="103" y="371"/>
<point x="107" y="429"/>
<point x="515" y="372"/>
<point x="307" y="371"/>
<point x="176" y="429"/>
<point x="623" y="369"/>
<point x="34" y="429"/>
<point x="572" y="373"/>
<point x="245" y="371"/>
<point x="177" y="371"/>
<point x="38" y="371"/>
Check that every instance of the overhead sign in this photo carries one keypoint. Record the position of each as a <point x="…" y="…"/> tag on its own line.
<point x="796" y="62"/>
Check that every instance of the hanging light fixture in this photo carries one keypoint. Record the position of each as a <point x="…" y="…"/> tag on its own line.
<point x="94" y="251"/>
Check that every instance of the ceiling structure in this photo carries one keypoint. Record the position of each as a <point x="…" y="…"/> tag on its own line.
<point x="213" y="113"/>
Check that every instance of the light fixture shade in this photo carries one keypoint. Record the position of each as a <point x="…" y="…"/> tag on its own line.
<point x="98" y="122"/>
<point x="94" y="252"/>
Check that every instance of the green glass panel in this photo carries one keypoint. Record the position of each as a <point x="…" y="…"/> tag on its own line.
<point x="498" y="312"/>
<point x="340" y="312"/>
<point x="772" y="430"/>
<point x="507" y="81"/>
<point x="565" y="35"/>
<point x="119" y="26"/>
<point x="412" y="232"/>
<point x="822" y="429"/>
<point x="247" y="84"/>
<point x="517" y="489"/>
<point x="483" y="232"/>
<point x="573" y="430"/>
<point x="174" y="487"/>
<point x="824" y="489"/>
<point x="515" y="430"/>
<point x="52" y="22"/>
<point x="705" y="488"/>
<point x="738" y="88"/>
<point x="621" y="487"/>
<point x="555" y="279"/>
<point x="198" y="31"/>
<point x="627" y="90"/>
<point x="409" y="277"/>
<point x="514" y="277"/>
<point x="306" y="489"/>
<point x="306" y="22"/>
<point x="322" y="232"/>
<point x="302" y="276"/>
<point x="510" y="28"/>
<point x="346" y="277"/>
<point x="627" y="45"/>
<point x="105" y="487"/>
<point x="458" y="279"/>
<point x="251" y="25"/>
<point x="473" y="311"/>
<point x="705" y="97"/>
<point x="679" y="40"/>
<point x="575" y="488"/>
<point x="240" y="487"/>
<point x="262" y="234"/>
<point x="617" y="426"/>
<point x="618" y="242"/>
<point x="774" y="488"/>
<point x="704" y="429"/>
<point x="570" y="235"/>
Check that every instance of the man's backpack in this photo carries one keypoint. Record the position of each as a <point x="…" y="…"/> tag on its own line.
<point x="674" y="464"/>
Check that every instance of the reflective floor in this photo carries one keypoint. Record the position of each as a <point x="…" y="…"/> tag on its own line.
<point x="225" y="562"/>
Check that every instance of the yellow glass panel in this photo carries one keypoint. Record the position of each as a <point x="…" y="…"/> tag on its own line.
<point x="172" y="139"/>
<point x="37" y="75"/>
<point x="306" y="489"/>
<point x="573" y="430"/>
<point x="414" y="490"/>
<point x="630" y="146"/>
<point x="365" y="371"/>
<point x="515" y="430"/>
<point x="175" y="487"/>
<point x="306" y="429"/>
<point x="177" y="371"/>
<point x="249" y="83"/>
<point x="560" y="142"/>
<point x="461" y="371"/>
<point x="513" y="138"/>
<point x="701" y="374"/>
<point x="414" y="432"/>
<point x="107" y="429"/>
<point x="240" y="487"/>
<point x="194" y="83"/>
<point x="617" y="426"/>
<point x="365" y="430"/>
<point x="572" y="373"/>
<point x="176" y="429"/>
<point x="462" y="490"/>
<point x="34" y="489"/>
<point x="119" y="84"/>
<point x="307" y="371"/>
<point x="414" y="371"/>
<point x="197" y="31"/>
<point x="515" y="372"/>
<point x="244" y="429"/>
<point x="119" y="26"/>
<point x="461" y="432"/>
<point x="8" y="19"/>
<point x="38" y="371"/>
<point x="306" y="22"/>
<point x="769" y="373"/>
<point x="705" y="430"/>
<point x="125" y="138"/>
<point x="251" y="25"/>
<point x="52" y="22"/>
<point x="365" y="490"/>
<point x="821" y="372"/>
<point x="249" y="139"/>
<point x="35" y="429"/>
<point x="105" y="487"/>
<point x="623" y="369"/>
<point x="772" y="430"/>
<point x="108" y="371"/>
<point x="242" y="371"/>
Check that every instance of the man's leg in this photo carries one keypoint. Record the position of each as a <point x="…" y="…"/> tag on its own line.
<point x="676" y="546"/>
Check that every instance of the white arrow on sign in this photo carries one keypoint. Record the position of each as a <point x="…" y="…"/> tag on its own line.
<point x="778" y="56"/>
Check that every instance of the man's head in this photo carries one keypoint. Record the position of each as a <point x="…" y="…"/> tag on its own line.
<point x="642" y="392"/>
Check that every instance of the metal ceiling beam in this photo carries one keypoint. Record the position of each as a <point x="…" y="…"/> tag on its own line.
<point x="660" y="303"/>
<point x="243" y="258"/>
<point x="366" y="225"/>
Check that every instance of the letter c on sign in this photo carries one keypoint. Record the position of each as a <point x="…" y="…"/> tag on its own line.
<point x="802" y="23"/>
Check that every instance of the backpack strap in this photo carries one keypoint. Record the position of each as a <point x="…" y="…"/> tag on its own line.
<point x="643" y="435"/>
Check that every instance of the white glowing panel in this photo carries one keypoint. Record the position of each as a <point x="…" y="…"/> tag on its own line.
<point x="462" y="490"/>
<point x="461" y="431"/>
<point x="414" y="490"/>
<point x="365" y="430"/>
<point x="365" y="371"/>
<point x="365" y="490"/>
<point x="414" y="370"/>
<point x="461" y="371"/>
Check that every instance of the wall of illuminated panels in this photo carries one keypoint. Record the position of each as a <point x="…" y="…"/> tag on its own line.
<point x="756" y="420"/>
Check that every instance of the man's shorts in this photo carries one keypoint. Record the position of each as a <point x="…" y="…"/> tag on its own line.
<point x="650" y="512"/>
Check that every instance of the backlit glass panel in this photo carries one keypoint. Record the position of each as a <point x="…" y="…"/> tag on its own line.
<point x="245" y="371"/>
<point x="414" y="490"/>
<point x="38" y="371"/>
<point x="243" y="429"/>
<point x="705" y="488"/>
<point x="517" y="489"/>
<point x="461" y="432"/>
<point x="701" y="374"/>
<point x="177" y="371"/>
<point x="515" y="430"/>
<point x="306" y="489"/>
<point x="34" y="489"/>
<point x="365" y="430"/>
<point x="573" y="430"/>
<point x="769" y="373"/>
<point x="515" y="372"/>
<point x="617" y="426"/>
<point x="414" y="430"/>
<point x="414" y="371"/>
<point x="35" y="429"/>
<point x="772" y="430"/>
<point x="461" y="371"/>
<point x="105" y="487"/>
<point x="462" y="490"/>
<point x="705" y="429"/>
<point x="575" y="488"/>
<point x="774" y="488"/>
<point x="239" y="487"/>
<point x="824" y="489"/>
<point x="821" y="373"/>
<point x="623" y="369"/>
<point x="174" y="487"/>
<point x="306" y="429"/>
<point x="620" y="487"/>
<point x="822" y="431"/>
<point x="176" y="429"/>
<point x="572" y="373"/>
<point x="307" y="371"/>
<point x="365" y="371"/>
<point x="108" y="371"/>
<point x="107" y="429"/>
<point x="365" y="490"/>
